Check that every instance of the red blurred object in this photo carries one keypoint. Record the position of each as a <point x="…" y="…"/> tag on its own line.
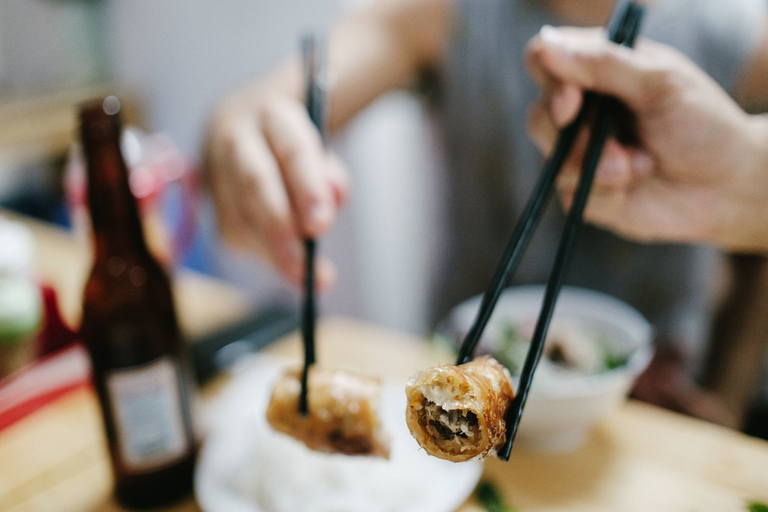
<point x="61" y="366"/>
<point x="43" y="382"/>
<point x="54" y="334"/>
<point x="158" y="172"/>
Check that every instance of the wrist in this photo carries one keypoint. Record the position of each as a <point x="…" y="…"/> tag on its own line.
<point x="745" y="227"/>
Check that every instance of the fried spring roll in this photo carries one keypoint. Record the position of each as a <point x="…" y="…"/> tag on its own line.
<point x="342" y="417"/>
<point x="457" y="413"/>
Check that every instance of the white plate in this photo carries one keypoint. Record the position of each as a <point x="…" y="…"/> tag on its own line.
<point x="242" y="466"/>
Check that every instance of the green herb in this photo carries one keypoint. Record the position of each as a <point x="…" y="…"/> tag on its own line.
<point x="511" y="334"/>
<point x="613" y="361"/>
<point x="757" y="506"/>
<point x="513" y="349"/>
<point x="490" y="498"/>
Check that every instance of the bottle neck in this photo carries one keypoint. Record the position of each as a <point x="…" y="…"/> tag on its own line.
<point x="114" y="214"/>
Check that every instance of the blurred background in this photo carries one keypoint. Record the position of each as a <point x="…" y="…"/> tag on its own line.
<point x="170" y="61"/>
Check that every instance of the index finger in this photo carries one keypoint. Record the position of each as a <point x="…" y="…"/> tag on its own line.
<point x="583" y="58"/>
<point x="301" y="157"/>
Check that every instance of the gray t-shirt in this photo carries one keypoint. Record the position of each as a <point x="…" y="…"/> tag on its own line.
<point x="482" y="97"/>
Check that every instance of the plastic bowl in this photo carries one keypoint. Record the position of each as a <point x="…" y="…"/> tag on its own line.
<point x="560" y="414"/>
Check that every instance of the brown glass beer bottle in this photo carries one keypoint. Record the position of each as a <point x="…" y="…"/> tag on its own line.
<point x="130" y="331"/>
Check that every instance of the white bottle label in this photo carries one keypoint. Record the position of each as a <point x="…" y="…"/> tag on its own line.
<point x="146" y="406"/>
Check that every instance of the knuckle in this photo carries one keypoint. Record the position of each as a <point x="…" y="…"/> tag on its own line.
<point x="661" y="85"/>
<point x="292" y="154"/>
<point x="308" y="199"/>
<point x="230" y="234"/>
<point x="277" y="243"/>
<point x="250" y="183"/>
<point x="602" y="60"/>
<point x="228" y="140"/>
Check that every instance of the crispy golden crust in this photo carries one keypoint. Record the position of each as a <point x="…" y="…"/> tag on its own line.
<point x="457" y="413"/>
<point x="342" y="415"/>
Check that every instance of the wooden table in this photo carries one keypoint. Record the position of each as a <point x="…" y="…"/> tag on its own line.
<point x="640" y="458"/>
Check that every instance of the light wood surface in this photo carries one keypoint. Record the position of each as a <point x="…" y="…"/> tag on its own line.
<point x="42" y="126"/>
<point x="63" y="260"/>
<point x="640" y="458"/>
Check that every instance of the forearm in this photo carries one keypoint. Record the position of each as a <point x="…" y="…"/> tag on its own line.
<point x="742" y="200"/>
<point x="385" y="48"/>
<point x="378" y="49"/>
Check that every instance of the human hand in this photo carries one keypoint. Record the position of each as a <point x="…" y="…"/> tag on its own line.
<point x="694" y="167"/>
<point x="273" y="182"/>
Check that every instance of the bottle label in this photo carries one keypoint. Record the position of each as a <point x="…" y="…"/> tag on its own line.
<point x="147" y="409"/>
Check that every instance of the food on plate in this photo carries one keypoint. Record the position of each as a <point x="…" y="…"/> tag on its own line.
<point x="457" y="413"/>
<point x="343" y="412"/>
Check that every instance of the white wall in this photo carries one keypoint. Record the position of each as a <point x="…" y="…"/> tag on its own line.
<point x="45" y="45"/>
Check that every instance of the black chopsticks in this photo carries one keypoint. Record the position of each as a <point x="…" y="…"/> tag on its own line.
<point x="623" y="29"/>
<point x="315" y="98"/>
<point x="624" y="32"/>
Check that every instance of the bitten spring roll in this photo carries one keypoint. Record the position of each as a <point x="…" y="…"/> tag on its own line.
<point x="343" y="412"/>
<point x="457" y="413"/>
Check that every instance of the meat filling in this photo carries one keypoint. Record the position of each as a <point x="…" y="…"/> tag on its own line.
<point x="452" y="427"/>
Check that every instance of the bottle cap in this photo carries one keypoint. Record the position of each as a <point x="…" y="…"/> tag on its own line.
<point x="100" y="118"/>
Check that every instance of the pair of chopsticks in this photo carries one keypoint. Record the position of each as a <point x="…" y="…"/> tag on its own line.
<point x="623" y="30"/>
<point x="315" y="103"/>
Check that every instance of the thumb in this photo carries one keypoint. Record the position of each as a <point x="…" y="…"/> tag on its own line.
<point x="584" y="58"/>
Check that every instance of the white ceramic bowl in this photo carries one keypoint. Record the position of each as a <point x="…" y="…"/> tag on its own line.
<point x="559" y="415"/>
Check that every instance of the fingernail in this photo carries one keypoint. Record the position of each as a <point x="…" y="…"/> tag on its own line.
<point x="609" y="169"/>
<point x="558" y="41"/>
<point x="552" y="36"/>
<point x="642" y="163"/>
<point x="319" y="215"/>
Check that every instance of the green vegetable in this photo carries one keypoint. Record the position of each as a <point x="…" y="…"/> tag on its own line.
<point x="490" y="498"/>
<point x="756" y="506"/>
<point x="513" y="349"/>
<point x="511" y="334"/>
<point x="613" y="361"/>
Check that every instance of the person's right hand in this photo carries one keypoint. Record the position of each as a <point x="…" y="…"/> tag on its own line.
<point x="697" y="170"/>
<point x="272" y="180"/>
